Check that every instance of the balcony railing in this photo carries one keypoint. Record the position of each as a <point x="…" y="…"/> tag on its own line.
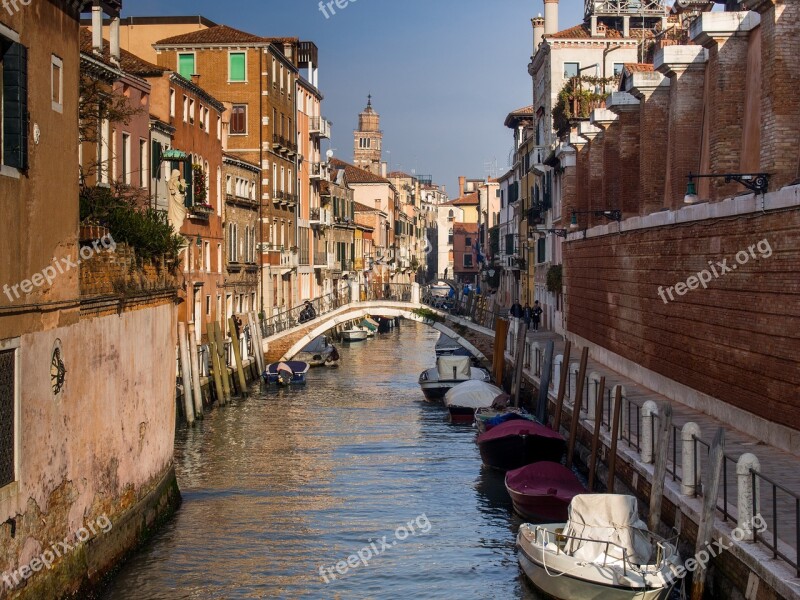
<point x="320" y="127"/>
<point x="283" y="144"/>
<point x="314" y="214"/>
<point x="320" y="171"/>
<point x="201" y="211"/>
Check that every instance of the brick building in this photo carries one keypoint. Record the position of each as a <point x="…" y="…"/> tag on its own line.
<point x="465" y="263"/>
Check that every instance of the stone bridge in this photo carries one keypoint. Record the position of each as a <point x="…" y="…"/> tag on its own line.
<point x="284" y="345"/>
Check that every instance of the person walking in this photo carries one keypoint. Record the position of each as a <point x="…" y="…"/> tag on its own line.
<point x="536" y="315"/>
<point x="516" y="310"/>
<point x="526" y="315"/>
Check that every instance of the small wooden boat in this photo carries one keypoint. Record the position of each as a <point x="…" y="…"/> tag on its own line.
<point x="517" y="443"/>
<point x="464" y="399"/>
<point x="602" y="551"/>
<point x="319" y="352"/>
<point x="448" y="373"/>
<point x="290" y="372"/>
<point x="489" y="417"/>
<point x="447" y="346"/>
<point x="354" y="335"/>
<point x="541" y="492"/>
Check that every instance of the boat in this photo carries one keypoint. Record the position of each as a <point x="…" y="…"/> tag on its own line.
<point x="354" y="334"/>
<point x="541" y="492"/>
<point x="517" y="443"/>
<point x="289" y="372"/>
<point x="465" y="398"/>
<point x="603" y="550"/>
<point x="488" y="417"/>
<point x="447" y="346"/>
<point x="440" y="289"/>
<point x="448" y="373"/>
<point x="319" y="352"/>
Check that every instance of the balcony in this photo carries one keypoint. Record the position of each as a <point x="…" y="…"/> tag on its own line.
<point x="320" y="260"/>
<point x="320" y="171"/>
<point x="291" y="199"/>
<point x="314" y="214"/>
<point x="283" y="145"/>
<point x="241" y="200"/>
<point x="290" y="259"/>
<point x="201" y="211"/>
<point x="320" y="127"/>
<point x="346" y="266"/>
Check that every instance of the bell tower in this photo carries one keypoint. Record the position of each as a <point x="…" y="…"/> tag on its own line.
<point x="368" y="140"/>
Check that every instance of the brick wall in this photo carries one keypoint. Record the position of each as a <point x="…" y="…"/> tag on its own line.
<point x="629" y="194"/>
<point x="654" y="117"/>
<point x="117" y="273"/>
<point x="736" y="341"/>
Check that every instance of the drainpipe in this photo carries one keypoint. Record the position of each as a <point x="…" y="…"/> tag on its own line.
<point x="261" y="167"/>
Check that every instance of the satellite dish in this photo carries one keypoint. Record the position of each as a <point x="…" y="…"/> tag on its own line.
<point x="329" y="154"/>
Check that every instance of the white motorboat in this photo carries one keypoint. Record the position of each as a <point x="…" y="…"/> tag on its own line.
<point x="603" y="551"/>
<point x="464" y="399"/>
<point x="449" y="372"/>
<point x="354" y="335"/>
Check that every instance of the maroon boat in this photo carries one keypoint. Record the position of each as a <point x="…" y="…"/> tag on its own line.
<point x="541" y="492"/>
<point x="517" y="443"/>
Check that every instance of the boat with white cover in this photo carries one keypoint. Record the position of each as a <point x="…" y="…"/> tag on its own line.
<point x="603" y="551"/>
<point x="449" y="372"/>
<point x="464" y="399"/>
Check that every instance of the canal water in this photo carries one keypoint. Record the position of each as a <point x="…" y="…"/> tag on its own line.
<point x="282" y="488"/>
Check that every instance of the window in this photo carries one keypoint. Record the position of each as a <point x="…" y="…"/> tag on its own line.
<point x="450" y="237"/>
<point x="450" y="215"/>
<point x="57" y="83"/>
<point x="208" y="306"/>
<point x="206" y="119"/>
<point x="186" y="65"/>
<point x="468" y="242"/>
<point x="9" y="412"/>
<point x="142" y="163"/>
<point x="207" y="256"/>
<point x="185" y="109"/>
<point x="126" y="158"/>
<point x="219" y="127"/>
<point x="541" y="250"/>
<point x="468" y="260"/>
<point x="237" y="66"/>
<point x="229" y="185"/>
<point x="172" y="103"/>
<point x="239" y="119"/>
<point x="219" y="258"/>
<point x="202" y="117"/>
<point x="191" y="111"/>
<point x="618" y="69"/>
<point x="232" y="243"/>
<point x="14" y="106"/>
<point x="571" y="69"/>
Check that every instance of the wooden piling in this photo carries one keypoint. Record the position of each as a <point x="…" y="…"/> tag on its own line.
<point x="255" y="332"/>
<point x="660" y="472"/>
<point x="217" y="370"/>
<point x="705" y="528"/>
<point x="195" y="360"/>
<point x="612" y="461"/>
<point x="226" y="382"/>
<point x="562" y="386"/>
<point x="237" y="353"/>
<point x="186" y="373"/>
<point x="544" y="382"/>
<point x="519" y="360"/>
<point x="576" y="407"/>
<point x="598" y="418"/>
<point x="499" y="351"/>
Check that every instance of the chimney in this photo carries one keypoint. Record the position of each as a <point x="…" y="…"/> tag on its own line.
<point x="550" y="16"/>
<point x="114" y="37"/>
<point x="97" y="29"/>
<point x="462" y="185"/>
<point x="384" y="169"/>
<point x="196" y="79"/>
<point x="538" y="31"/>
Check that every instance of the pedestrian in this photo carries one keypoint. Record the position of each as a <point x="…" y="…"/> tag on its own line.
<point x="516" y="310"/>
<point x="536" y="315"/>
<point x="526" y="315"/>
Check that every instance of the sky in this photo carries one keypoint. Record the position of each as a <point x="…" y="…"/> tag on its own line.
<point x="443" y="73"/>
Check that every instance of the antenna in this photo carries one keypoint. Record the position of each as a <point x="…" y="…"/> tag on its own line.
<point x="329" y="154"/>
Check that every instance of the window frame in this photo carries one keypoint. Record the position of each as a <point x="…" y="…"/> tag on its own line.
<point x="233" y="114"/>
<point x="471" y="264"/>
<point x="194" y="64"/>
<point x="55" y="61"/>
<point x="10" y="489"/>
<point x="564" y="69"/>
<point x="231" y="53"/>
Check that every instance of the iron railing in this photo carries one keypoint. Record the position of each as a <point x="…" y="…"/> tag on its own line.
<point x="287" y="319"/>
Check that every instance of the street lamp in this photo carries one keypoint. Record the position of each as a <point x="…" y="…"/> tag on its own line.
<point x="755" y="182"/>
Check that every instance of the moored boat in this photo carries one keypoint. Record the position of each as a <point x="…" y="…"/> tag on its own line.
<point x="449" y="372"/>
<point x="318" y="352"/>
<point x="447" y="346"/>
<point x="517" y="443"/>
<point x="490" y="416"/>
<point x="289" y="372"/>
<point x="354" y="335"/>
<point x="602" y="551"/>
<point x="541" y="492"/>
<point x="464" y="399"/>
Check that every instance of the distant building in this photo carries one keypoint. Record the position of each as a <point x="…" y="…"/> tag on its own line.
<point x="465" y="260"/>
<point x="368" y="141"/>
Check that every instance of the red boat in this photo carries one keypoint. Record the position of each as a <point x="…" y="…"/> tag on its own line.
<point x="517" y="443"/>
<point x="541" y="492"/>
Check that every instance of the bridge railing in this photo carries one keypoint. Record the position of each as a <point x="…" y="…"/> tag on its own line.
<point x="473" y="307"/>
<point x="395" y="292"/>
<point x="290" y="318"/>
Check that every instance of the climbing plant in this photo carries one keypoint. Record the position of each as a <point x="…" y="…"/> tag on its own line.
<point x="578" y="98"/>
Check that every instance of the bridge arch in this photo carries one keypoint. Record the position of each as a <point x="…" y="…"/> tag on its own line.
<point x="352" y="312"/>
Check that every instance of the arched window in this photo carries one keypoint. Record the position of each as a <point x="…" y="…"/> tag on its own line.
<point x="450" y="215"/>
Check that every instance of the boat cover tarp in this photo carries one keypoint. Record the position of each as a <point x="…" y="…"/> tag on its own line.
<point x="318" y="344"/>
<point x="498" y="418"/>
<point x="472" y="394"/>
<point x="372" y="321"/>
<point x="368" y="324"/>
<point x="293" y="366"/>
<point x="602" y="518"/>
<point x="545" y="478"/>
<point x="446" y="364"/>
<point x="445" y="342"/>
<point x="519" y="427"/>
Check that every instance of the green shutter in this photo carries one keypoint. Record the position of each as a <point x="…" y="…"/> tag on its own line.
<point x="237" y="70"/>
<point x="155" y="161"/>
<point x="186" y="65"/>
<point x="15" y="107"/>
<point x="187" y="175"/>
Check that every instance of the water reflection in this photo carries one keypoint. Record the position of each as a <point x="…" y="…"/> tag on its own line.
<point x="289" y="481"/>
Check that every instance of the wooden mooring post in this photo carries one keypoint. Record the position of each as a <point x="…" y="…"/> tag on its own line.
<point x="499" y="350"/>
<point x="519" y="360"/>
<point x="576" y="407"/>
<point x="660" y="472"/>
<point x="237" y="353"/>
<point x="194" y="358"/>
<point x="215" y="366"/>
<point x="255" y="333"/>
<point x="562" y="386"/>
<point x="598" y="419"/>
<point x="705" y="528"/>
<point x="186" y="373"/>
<point x="223" y="366"/>
<point x="544" y="382"/>
<point x="612" y="460"/>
